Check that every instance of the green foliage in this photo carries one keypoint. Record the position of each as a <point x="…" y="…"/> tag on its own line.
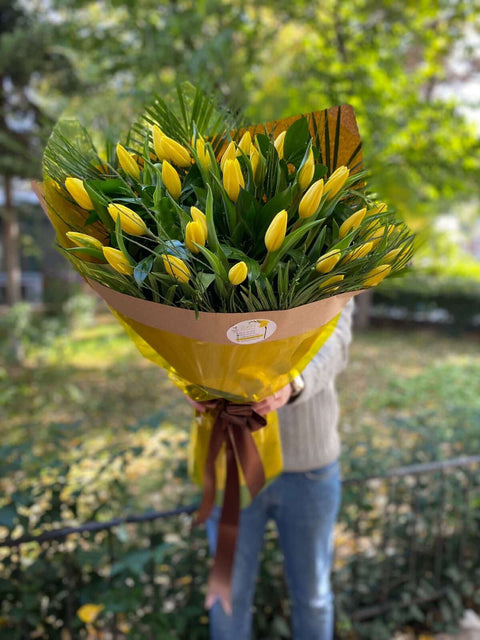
<point x="25" y="330"/>
<point x="459" y="297"/>
<point x="151" y="578"/>
<point x="104" y="461"/>
<point x="27" y="59"/>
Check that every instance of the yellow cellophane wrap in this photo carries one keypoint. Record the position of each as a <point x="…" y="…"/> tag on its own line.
<point x="243" y="373"/>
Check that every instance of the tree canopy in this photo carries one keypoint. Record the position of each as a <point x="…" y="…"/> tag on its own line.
<point x="273" y="59"/>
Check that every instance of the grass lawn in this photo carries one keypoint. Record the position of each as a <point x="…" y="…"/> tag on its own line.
<point x="91" y="410"/>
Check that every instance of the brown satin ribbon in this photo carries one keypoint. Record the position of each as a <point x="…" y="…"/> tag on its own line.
<point x="233" y="427"/>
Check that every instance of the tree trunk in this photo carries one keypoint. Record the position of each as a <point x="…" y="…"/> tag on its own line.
<point x="11" y="246"/>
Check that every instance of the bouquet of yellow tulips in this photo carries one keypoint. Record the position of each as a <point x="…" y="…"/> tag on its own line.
<point x="227" y="252"/>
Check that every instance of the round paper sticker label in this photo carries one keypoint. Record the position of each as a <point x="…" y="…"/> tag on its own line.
<point x="250" y="331"/>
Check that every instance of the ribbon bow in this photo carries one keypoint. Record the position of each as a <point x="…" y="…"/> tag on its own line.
<point x="233" y="426"/>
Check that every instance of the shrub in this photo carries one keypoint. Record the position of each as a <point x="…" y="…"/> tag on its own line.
<point x="458" y="297"/>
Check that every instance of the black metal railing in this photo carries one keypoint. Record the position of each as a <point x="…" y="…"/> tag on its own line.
<point x="404" y="540"/>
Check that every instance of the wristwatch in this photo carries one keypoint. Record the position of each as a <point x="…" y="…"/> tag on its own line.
<point x="297" y="385"/>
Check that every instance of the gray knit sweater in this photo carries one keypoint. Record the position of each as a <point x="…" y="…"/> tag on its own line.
<point x="308" y="426"/>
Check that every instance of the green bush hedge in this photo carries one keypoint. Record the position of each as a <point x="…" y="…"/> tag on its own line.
<point x="459" y="297"/>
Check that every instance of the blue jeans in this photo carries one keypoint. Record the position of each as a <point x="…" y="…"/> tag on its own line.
<point x="304" y="507"/>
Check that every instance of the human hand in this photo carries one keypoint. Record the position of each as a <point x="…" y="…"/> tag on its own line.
<point x="201" y="406"/>
<point x="273" y="402"/>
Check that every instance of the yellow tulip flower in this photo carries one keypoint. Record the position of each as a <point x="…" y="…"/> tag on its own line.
<point x="84" y="240"/>
<point x="78" y="192"/>
<point x="376" y="275"/>
<point x="392" y="255"/>
<point x="238" y="273"/>
<point x="333" y="280"/>
<point x="233" y="179"/>
<point x="352" y="223"/>
<point x="254" y="159"/>
<point x="176" y="268"/>
<point x="336" y="181"/>
<point x="360" y="252"/>
<point x="203" y="155"/>
<point x="377" y="236"/>
<point x="305" y="174"/>
<point x="381" y="207"/>
<point x="311" y="200"/>
<point x="171" y="180"/>
<point x="245" y="143"/>
<point x="130" y="221"/>
<point x="229" y="154"/>
<point x="328" y="261"/>
<point x="279" y="142"/>
<point x="194" y="233"/>
<point x="276" y="231"/>
<point x="169" y="149"/>
<point x="118" y="260"/>
<point x="199" y="216"/>
<point x="127" y="162"/>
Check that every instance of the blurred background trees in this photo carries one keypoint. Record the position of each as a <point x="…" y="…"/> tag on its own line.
<point x="88" y="431"/>
<point x="410" y="69"/>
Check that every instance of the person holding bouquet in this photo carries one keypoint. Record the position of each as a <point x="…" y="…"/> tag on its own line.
<point x="231" y="254"/>
<point x="303" y="501"/>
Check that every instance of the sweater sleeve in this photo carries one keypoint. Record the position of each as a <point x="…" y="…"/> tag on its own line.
<point x="330" y="360"/>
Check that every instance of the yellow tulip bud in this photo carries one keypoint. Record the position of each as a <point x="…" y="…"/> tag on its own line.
<point x="328" y="261"/>
<point x="381" y="207"/>
<point x="391" y="255"/>
<point x="118" y="260"/>
<point x="305" y="174"/>
<point x="229" y="154"/>
<point x="333" y="280"/>
<point x="276" y="231"/>
<point x="130" y="221"/>
<point x="372" y="224"/>
<point x="311" y="200"/>
<point x="176" y="268"/>
<point x="78" y="192"/>
<point x="352" y="223"/>
<point x="199" y="216"/>
<point x="84" y="240"/>
<point x="88" y="613"/>
<point x="360" y="252"/>
<point x="279" y="142"/>
<point x="245" y="143"/>
<point x="377" y="236"/>
<point x="194" y="233"/>
<point x="233" y="179"/>
<point x="169" y="149"/>
<point x="376" y="275"/>
<point x="254" y="159"/>
<point x="127" y="162"/>
<point x="405" y="251"/>
<point x="171" y="180"/>
<point x="336" y="181"/>
<point x="238" y="273"/>
<point x="203" y="155"/>
<point x="157" y="135"/>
